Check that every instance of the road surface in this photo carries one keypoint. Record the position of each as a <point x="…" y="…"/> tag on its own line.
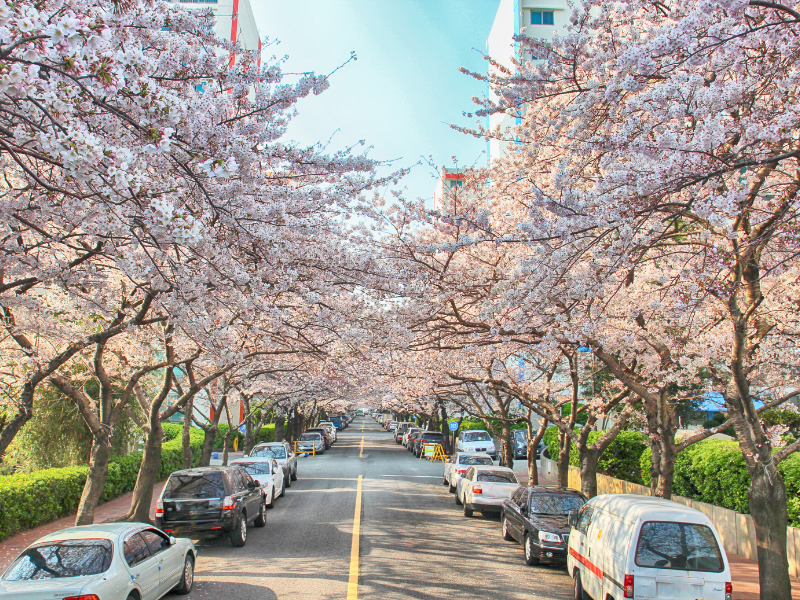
<point x="411" y="540"/>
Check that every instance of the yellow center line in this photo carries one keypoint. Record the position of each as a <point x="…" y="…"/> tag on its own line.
<point x="352" y="582"/>
<point x="361" y="452"/>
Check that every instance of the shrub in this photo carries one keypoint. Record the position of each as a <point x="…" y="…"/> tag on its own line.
<point x="34" y="499"/>
<point x="265" y="434"/>
<point x="620" y="459"/>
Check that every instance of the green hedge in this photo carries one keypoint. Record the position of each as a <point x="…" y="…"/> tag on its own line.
<point x="265" y="434"/>
<point x="714" y="471"/>
<point x="34" y="499"/>
<point x="621" y="459"/>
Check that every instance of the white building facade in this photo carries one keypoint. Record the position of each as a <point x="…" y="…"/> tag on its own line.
<point x="535" y="18"/>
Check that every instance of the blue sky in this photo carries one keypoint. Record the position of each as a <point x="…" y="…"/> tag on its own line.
<point x="405" y="88"/>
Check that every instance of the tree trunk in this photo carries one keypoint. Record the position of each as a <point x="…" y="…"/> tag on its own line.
<point x="95" y="478"/>
<point x="655" y="464"/>
<point x="280" y="427"/>
<point x="24" y="413"/>
<point x="589" y="459"/>
<point x="533" y="445"/>
<point x="148" y="474"/>
<point x="564" y="447"/>
<point x="445" y="430"/>
<point x="768" y="509"/>
<point x="249" y="436"/>
<point x="208" y="445"/>
<point x="225" y="444"/>
<point x="506" y="449"/>
<point x="186" y="439"/>
<point x="666" y="476"/>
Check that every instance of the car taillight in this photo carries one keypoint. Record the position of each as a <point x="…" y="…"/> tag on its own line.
<point x="461" y="471"/>
<point x="228" y="503"/>
<point x="728" y="591"/>
<point x="159" y="507"/>
<point x="628" y="587"/>
<point x="476" y="489"/>
<point x="82" y="597"/>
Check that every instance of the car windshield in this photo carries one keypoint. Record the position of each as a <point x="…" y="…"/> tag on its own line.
<point x="319" y="431"/>
<point x="257" y="468"/>
<point x="475" y="460"/>
<point x="497" y="477"/>
<point x="555" y="504"/>
<point x="682" y="546"/>
<point x="195" y="485"/>
<point x="309" y="437"/>
<point x="520" y="434"/>
<point x="270" y="452"/>
<point x="64" y="558"/>
<point x="477" y="436"/>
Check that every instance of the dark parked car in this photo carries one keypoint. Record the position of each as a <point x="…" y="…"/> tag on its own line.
<point x="324" y="432"/>
<point x="210" y="501"/>
<point x="537" y="517"/>
<point x="412" y="439"/>
<point x="427" y="437"/>
<point x="519" y="442"/>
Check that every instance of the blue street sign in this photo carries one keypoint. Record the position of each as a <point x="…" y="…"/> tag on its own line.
<point x="584" y="349"/>
<point x="242" y="428"/>
<point x="453" y="425"/>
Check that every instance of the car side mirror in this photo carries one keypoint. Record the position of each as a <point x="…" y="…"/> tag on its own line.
<point x="172" y="541"/>
<point x="573" y="519"/>
<point x="251" y="485"/>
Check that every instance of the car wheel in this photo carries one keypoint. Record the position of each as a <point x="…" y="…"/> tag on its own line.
<point x="506" y="536"/>
<point x="530" y="556"/>
<point x="579" y="594"/>
<point x="458" y="500"/>
<point x="444" y="481"/>
<point x="467" y="511"/>
<point x="283" y="492"/>
<point x="271" y="499"/>
<point x="239" y="533"/>
<point x="452" y="488"/>
<point x="261" y="519"/>
<point x="293" y="477"/>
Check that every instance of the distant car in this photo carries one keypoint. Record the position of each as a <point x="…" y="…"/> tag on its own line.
<point x="485" y="489"/>
<point x="519" y="443"/>
<point x="209" y="501"/>
<point x="338" y="422"/>
<point x="331" y="429"/>
<point x="401" y="429"/>
<point x="537" y="517"/>
<point x="268" y="473"/>
<point x="412" y="439"/>
<point x="311" y="442"/>
<point x="408" y="433"/>
<point x="390" y="425"/>
<point x="476" y="441"/>
<point x="282" y="452"/>
<point x="457" y="465"/>
<point x="324" y="433"/>
<point x="427" y="437"/>
<point x="108" y="560"/>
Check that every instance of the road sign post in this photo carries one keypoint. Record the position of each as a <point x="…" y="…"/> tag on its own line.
<point x="453" y="428"/>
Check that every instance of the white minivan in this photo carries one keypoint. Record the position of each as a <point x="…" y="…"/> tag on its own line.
<point x="626" y="546"/>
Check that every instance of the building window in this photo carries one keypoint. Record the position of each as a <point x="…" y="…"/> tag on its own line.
<point x="542" y="17"/>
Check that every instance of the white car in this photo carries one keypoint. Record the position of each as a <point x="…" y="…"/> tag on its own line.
<point x="282" y="452"/>
<point x="331" y="429"/>
<point x="108" y="560"/>
<point x="476" y="440"/>
<point x="485" y="489"/>
<point x="408" y="432"/>
<point x="267" y="472"/>
<point x="310" y="442"/>
<point x="626" y="546"/>
<point x="457" y="465"/>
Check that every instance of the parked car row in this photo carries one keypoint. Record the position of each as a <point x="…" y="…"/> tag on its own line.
<point x="614" y="546"/>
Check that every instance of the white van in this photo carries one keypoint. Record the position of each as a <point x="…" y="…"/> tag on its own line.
<point x="625" y="546"/>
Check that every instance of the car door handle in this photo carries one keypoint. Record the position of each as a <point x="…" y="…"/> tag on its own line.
<point x="161" y="561"/>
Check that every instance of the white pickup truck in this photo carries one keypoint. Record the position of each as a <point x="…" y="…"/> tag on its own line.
<point x="485" y="489"/>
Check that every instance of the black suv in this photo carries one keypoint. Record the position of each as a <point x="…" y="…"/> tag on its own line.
<point x="427" y="437"/>
<point x="210" y="501"/>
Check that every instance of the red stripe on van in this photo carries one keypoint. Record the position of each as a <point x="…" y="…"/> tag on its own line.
<point x="586" y="563"/>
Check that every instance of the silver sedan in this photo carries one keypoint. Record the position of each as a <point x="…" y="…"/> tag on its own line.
<point x="110" y="560"/>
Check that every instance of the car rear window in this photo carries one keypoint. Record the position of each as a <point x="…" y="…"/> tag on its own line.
<point x="309" y="437"/>
<point x="257" y="468"/>
<point x="497" y="477"/>
<point x="475" y="460"/>
<point x="64" y="558"/>
<point x="195" y="485"/>
<point x="477" y="436"/>
<point x="555" y="504"/>
<point x="433" y="436"/>
<point x="270" y="452"/>
<point x="681" y="546"/>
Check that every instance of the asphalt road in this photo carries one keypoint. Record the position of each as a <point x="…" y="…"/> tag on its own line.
<point x="414" y="542"/>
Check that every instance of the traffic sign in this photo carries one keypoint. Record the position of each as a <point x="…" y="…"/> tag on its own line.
<point x="243" y="428"/>
<point x="453" y="425"/>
